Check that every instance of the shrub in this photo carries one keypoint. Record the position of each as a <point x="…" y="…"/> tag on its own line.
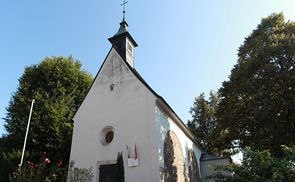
<point x="259" y="166"/>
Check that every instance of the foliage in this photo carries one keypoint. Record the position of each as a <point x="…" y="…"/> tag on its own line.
<point x="58" y="85"/>
<point x="44" y="170"/>
<point x="120" y="170"/>
<point x="257" y="106"/>
<point x="50" y="171"/>
<point x="259" y="166"/>
<point x="8" y="160"/>
<point x="79" y="174"/>
<point x="203" y="120"/>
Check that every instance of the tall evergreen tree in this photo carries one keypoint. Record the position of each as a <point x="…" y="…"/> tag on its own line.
<point x="203" y="120"/>
<point x="257" y="106"/>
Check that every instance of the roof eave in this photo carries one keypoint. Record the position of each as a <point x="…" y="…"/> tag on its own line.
<point x="164" y="105"/>
<point x="125" y="34"/>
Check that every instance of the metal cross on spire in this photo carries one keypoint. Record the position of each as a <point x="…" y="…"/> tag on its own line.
<point x="123" y="4"/>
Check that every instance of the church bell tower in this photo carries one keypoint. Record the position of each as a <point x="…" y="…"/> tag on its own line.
<point x="124" y="43"/>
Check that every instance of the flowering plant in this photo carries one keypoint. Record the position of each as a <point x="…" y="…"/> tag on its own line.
<point x="44" y="170"/>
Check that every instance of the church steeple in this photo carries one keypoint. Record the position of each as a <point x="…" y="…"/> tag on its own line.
<point x="123" y="41"/>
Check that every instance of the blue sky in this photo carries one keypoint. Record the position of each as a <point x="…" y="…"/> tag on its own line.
<point x="185" y="47"/>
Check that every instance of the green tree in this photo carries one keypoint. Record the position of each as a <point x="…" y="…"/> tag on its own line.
<point x="259" y="166"/>
<point x="120" y="175"/>
<point x="257" y="106"/>
<point x="58" y="85"/>
<point x="203" y="120"/>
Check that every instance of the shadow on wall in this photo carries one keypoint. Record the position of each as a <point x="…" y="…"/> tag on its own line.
<point x="191" y="173"/>
<point x="170" y="171"/>
<point x="170" y="154"/>
<point x="193" y="169"/>
<point x="163" y="126"/>
<point x="174" y="168"/>
<point x="186" y="163"/>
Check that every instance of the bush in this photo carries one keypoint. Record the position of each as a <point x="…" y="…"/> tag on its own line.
<point x="259" y="166"/>
<point x="79" y="174"/>
<point x="45" y="170"/>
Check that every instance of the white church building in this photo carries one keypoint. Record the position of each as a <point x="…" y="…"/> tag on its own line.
<point x="122" y="113"/>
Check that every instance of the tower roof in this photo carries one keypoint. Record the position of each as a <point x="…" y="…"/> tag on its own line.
<point x="123" y="28"/>
<point x="123" y="32"/>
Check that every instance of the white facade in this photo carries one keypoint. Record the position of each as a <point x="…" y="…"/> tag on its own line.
<point x="118" y="99"/>
<point x="120" y="102"/>
<point x="129" y="109"/>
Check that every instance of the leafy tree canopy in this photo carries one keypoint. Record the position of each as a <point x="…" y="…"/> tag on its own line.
<point x="257" y="106"/>
<point x="58" y="85"/>
<point x="203" y="120"/>
<point x="259" y="166"/>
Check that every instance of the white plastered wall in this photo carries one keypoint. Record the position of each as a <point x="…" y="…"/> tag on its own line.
<point x="165" y="124"/>
<point x="129" y="109"/>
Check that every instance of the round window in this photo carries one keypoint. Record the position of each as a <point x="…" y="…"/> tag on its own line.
<point x="107" y="135"/>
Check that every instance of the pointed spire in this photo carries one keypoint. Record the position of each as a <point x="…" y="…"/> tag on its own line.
<point x="123" y="28"/>
<point x="122" y="34"/>
<point x="123" y="25"/>
<point x="123" y="42"/>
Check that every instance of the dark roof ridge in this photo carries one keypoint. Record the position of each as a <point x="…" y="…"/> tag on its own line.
<point x="134" y="71"/>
